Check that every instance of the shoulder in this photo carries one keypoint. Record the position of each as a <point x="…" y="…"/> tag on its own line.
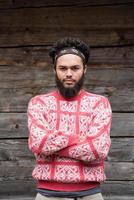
<point x="94" y="96"/>
<point x="41" y="98"/>
<point x="96" y="99"/>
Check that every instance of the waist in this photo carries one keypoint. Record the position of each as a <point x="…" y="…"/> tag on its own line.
<point x="60" y="186"/>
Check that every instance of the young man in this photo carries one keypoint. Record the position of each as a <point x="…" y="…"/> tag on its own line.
<point x="69" y="129"/>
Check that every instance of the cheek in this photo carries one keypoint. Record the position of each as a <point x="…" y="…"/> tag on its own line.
<point x="59" y="75"/>
<point x="78" y="76"/>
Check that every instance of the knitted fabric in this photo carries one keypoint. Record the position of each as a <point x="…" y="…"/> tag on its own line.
<point x="69" y="138"/>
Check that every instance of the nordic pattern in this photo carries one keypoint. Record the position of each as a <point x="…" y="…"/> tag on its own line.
<point x="70" y="139"/>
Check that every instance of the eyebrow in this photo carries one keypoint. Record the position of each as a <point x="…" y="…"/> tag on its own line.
<point x="68" y="66"/>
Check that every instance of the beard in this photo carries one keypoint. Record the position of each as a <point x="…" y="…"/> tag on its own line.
<point x="69" y="92"/>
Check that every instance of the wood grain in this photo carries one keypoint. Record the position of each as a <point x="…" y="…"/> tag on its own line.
<point x="122" y="149"/>
<point x="22" y="169"/>
<point x="14" y="125"/>
<point x="16" y="100"/>
<point x="116" y="22"/>
<point x="8" y="4"/>
<point x="103" y="57"/>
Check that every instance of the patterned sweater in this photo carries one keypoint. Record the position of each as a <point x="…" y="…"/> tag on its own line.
<point x="69" y="138"/>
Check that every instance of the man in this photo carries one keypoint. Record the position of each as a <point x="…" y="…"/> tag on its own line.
<point x="69" y="129"/>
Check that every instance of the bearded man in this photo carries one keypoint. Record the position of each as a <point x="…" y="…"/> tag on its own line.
<point x="69" y="129"/>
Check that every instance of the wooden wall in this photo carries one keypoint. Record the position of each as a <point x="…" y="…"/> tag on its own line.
<point x="27" y="31"/>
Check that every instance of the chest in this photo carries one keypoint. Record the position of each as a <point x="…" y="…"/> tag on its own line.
<point x="71" y="117"/>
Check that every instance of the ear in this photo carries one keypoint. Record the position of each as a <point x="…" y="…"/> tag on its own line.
<point x="85" y="68"/>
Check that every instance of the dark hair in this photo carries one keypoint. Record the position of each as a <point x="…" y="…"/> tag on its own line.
<point x="70" y="42"/>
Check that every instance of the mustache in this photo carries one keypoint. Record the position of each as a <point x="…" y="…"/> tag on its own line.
<point x="69" y="79"/>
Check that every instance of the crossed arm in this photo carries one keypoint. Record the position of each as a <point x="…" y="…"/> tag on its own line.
<point x="95" y="146"/>
<point x="42" y="141"/>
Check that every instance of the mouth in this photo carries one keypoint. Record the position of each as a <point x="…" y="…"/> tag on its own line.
<point x="69" y="81"/>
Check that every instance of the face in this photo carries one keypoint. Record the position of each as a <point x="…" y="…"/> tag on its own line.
<point x="70" y="72"/>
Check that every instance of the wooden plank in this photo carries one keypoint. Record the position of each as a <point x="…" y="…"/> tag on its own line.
<point x="118" y="188"/>
<point x="38" y="57"/>
<point x="37" y="76"/>
<point x="102" y="17"/>
<point x="122" y="149"/>
<point x="14" y="125"/>
<point x="22" y="169"/>
<point x="16" y="170"/>
<point x="22" y="197"/>
<point x="19" y="197"/>
<point x="6" y="4"/>
<point x="17" y="187"/>
<point x="16" y="100"/>
<point x="22" y="75"/>
<point x="33" y="31"/>
<point x="46" y="36"/>
<point x="122" y="124"/>
<point x="18" y="150"/>
<point x="119" y="171"/>
<point x="27" y="187"/>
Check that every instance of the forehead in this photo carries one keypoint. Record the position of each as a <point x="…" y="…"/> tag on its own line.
<point x="69" y="60"/>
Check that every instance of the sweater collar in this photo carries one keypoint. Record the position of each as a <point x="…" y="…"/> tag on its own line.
<point x="80" y="94"/>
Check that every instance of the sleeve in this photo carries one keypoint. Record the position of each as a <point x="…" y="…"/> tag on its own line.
<point x="41" y="139"/>
<point x="96" y="145"/>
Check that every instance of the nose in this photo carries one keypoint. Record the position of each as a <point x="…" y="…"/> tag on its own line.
<point x="69" y="73"/>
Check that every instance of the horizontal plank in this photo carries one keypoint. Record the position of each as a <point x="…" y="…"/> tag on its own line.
<point x="16" y="170"/>
<point x="122" y="124"/>
<point x="16" y="100"/>
<point x="22" y="197"/>
<point x="26" y="30"/>
<point x="19" y="197"/>
<point x="22" y="169"/>
<point x="14" y="125"/>
<point x="38" y="57"/>
<point x="118" y="188"/>
<point x="119" y="171"/>
<point x="42" y="36"/>
<point x="18" y="187"/>
<point x="37" y="77"/>
<point x="109" y="189"/>
<point x="6" y="4"/>
<point x="122" y="149"/>
<point x="18" y="150"/>
<point x="102" y="17"/>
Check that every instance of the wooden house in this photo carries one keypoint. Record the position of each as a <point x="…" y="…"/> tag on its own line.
<point x="27" y="31"/>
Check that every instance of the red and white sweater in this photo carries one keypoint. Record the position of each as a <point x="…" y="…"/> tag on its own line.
<point x="70" y="139"/>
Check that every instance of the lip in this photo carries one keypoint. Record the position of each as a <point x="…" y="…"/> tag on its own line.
<point x="69" y="82"/>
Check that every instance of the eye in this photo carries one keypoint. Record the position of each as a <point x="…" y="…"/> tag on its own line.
<point x="63" y="68"/>
<point x="75" y="68"/>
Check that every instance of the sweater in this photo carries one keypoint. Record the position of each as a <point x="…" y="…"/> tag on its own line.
<point x="70" y="139"/>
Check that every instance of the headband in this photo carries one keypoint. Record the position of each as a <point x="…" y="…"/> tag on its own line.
<point x="70" y="50"/>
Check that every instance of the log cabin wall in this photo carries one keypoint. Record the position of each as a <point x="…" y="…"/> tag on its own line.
<point x="27" y="31"/>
